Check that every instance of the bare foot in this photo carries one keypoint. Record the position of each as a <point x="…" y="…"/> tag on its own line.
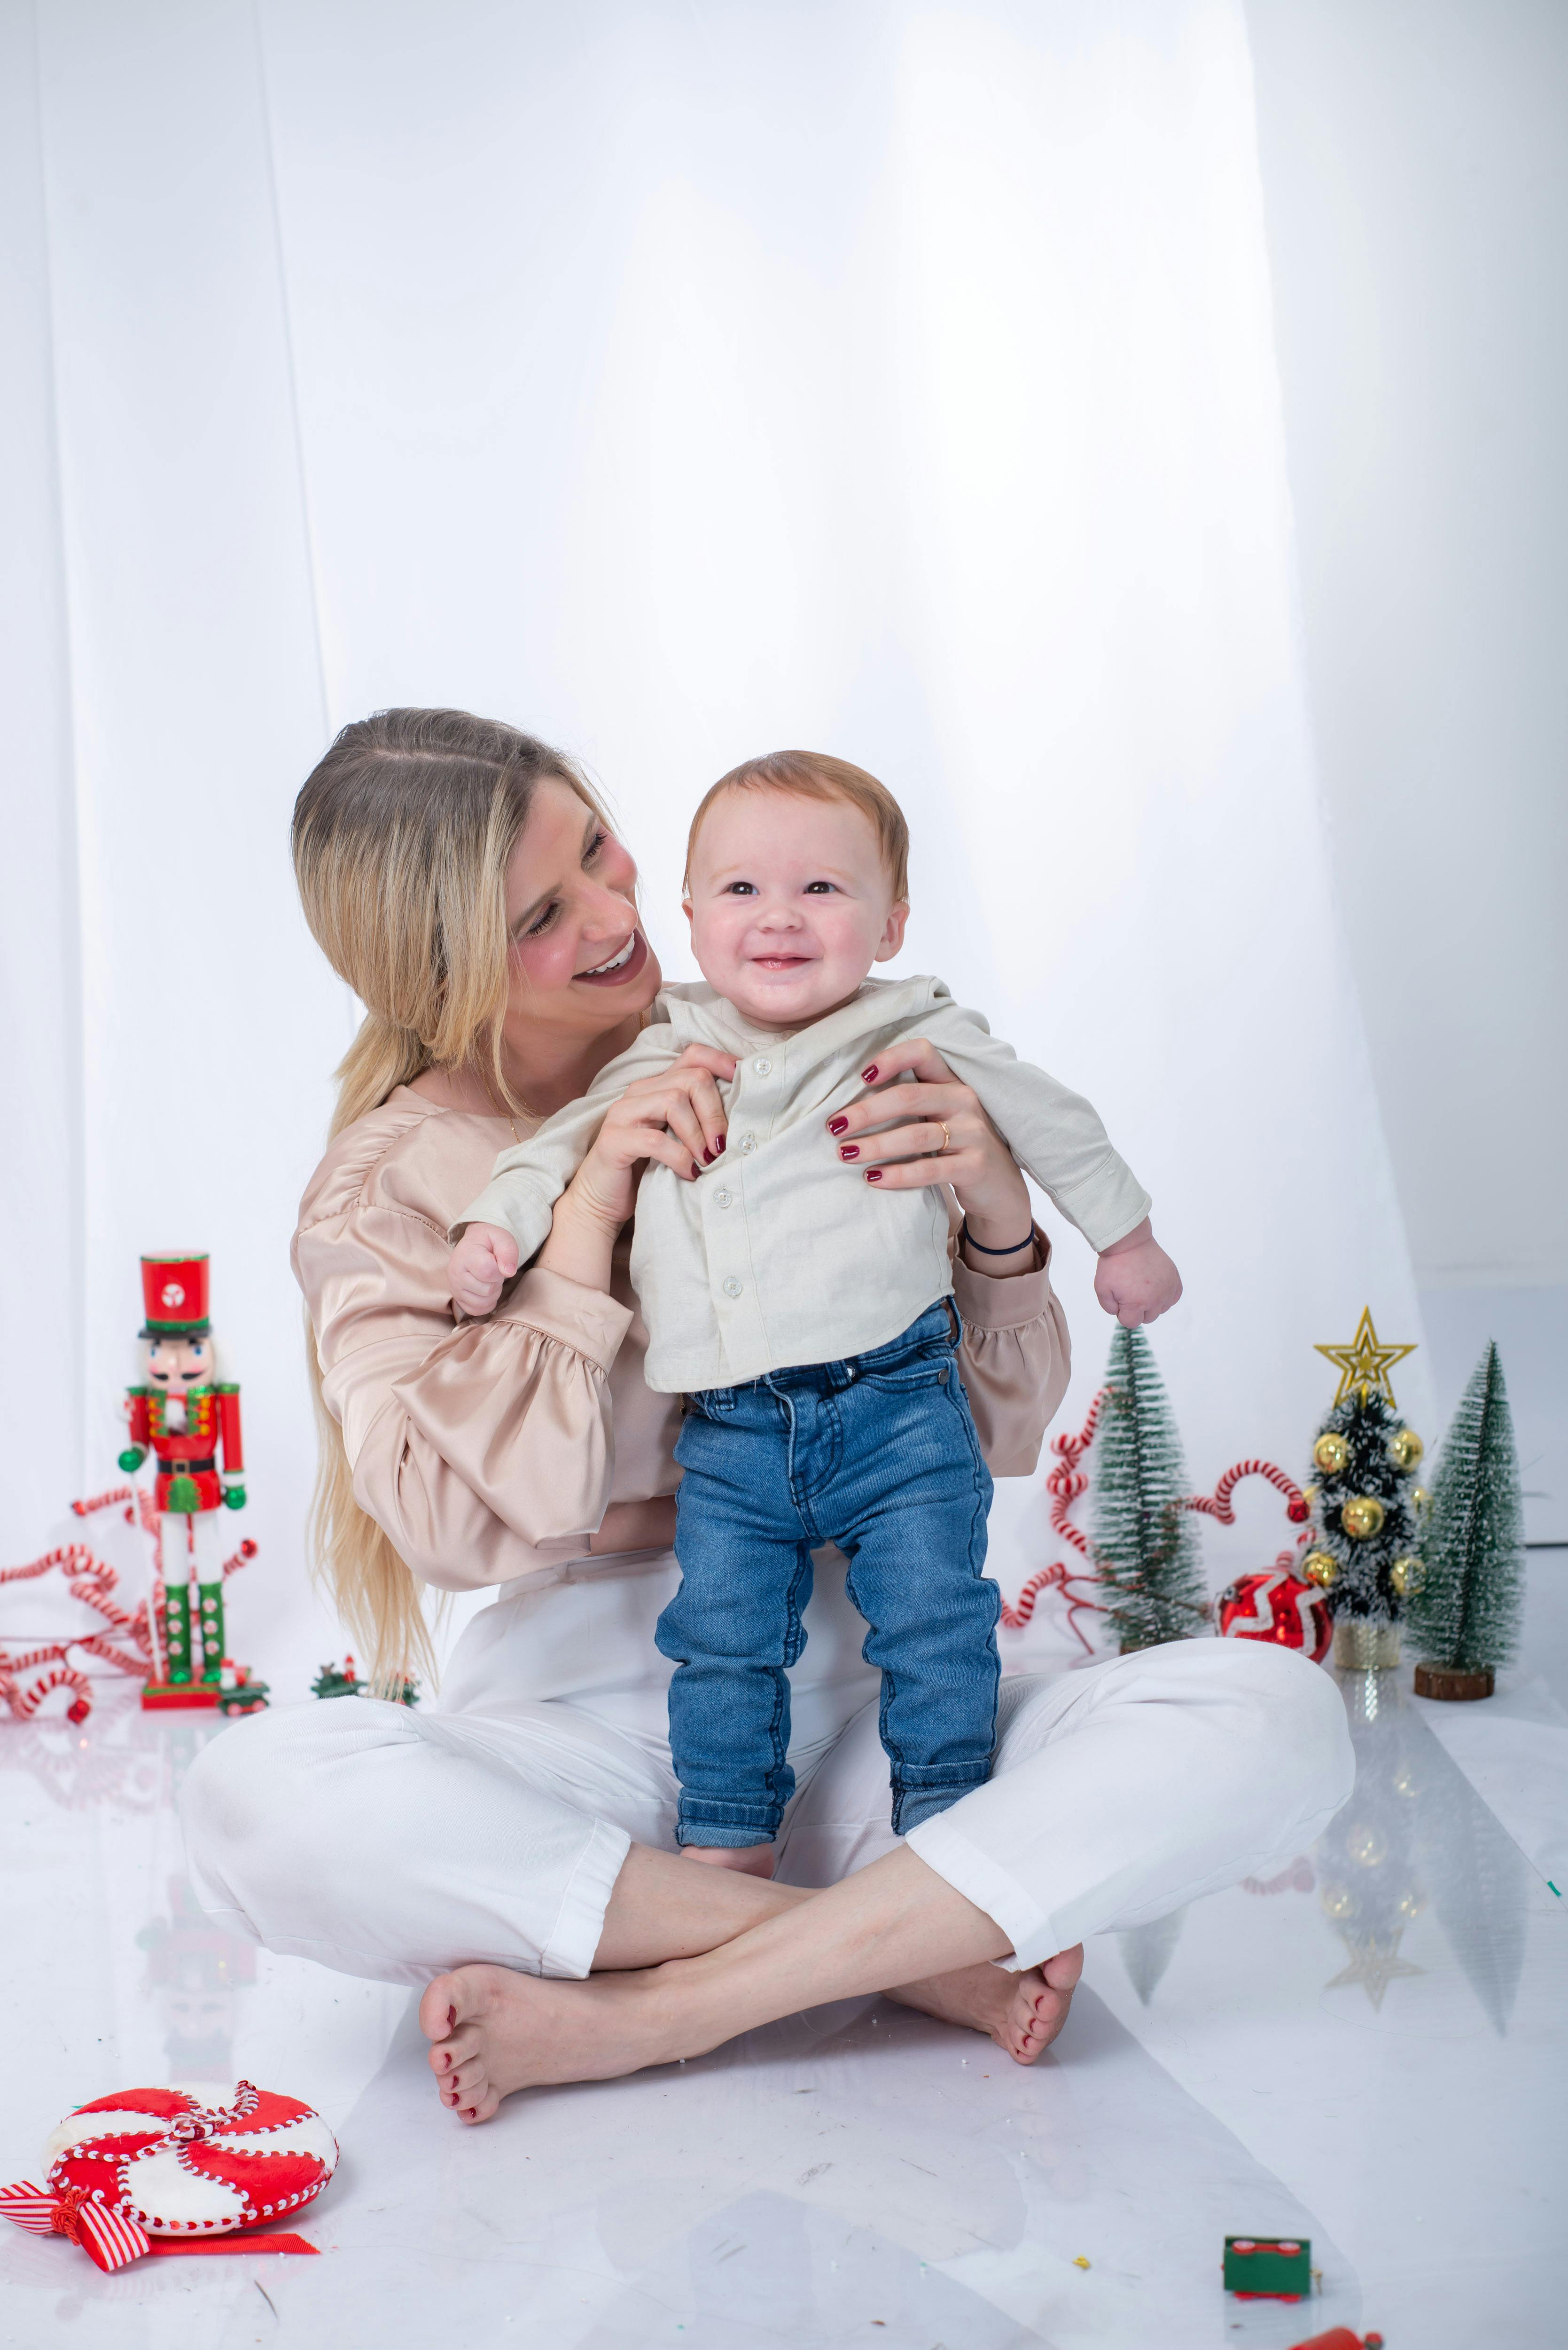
<point x="492" y="2031"/>
<point x="1022" y="2012"/>
<point x="751" y="1859"/>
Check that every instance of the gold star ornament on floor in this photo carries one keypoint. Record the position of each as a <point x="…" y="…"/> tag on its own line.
<point x="1364" y="1365"/>
<point x="1373" y="1964"/>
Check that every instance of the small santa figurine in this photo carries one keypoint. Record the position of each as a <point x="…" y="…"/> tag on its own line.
<point x="187" y="1417"/>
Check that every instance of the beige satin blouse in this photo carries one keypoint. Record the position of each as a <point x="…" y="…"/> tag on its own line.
<point x="490" y="1451"/>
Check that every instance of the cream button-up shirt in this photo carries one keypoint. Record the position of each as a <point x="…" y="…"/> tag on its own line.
<point x="779" y="1253"/>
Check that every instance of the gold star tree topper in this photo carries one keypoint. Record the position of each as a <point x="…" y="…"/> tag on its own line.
<point x="1364" y="1365"/>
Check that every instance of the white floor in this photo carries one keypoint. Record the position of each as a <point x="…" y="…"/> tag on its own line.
<point x="1370" y="2054"/>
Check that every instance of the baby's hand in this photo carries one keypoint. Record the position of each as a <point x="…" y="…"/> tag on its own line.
<point x="1135" y="1280"/>
<point x="482" y="1261"/>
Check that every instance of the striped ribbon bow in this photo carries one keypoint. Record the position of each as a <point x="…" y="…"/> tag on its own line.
<point x="106" y="2236"/>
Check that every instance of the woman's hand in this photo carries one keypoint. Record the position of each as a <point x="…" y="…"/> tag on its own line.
<point x="676" y="1116"/>
<point x="915" y="1152"/>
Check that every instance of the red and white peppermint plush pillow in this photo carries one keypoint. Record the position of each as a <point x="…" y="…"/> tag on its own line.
<point x="201" y="2160"/>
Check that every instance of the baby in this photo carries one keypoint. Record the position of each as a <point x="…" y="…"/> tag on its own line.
<point x="807" y="1319"/>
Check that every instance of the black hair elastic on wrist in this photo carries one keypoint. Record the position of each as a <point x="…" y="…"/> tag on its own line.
<point x="968" y="1238"/>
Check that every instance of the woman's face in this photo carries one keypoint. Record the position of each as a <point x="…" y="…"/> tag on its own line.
<point x="579" y="963"/>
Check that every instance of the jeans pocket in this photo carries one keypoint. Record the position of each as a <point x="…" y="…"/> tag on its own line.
<point x="926" y="1366"/>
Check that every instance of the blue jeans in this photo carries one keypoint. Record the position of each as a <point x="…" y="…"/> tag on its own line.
<point x="880" y="1455"/>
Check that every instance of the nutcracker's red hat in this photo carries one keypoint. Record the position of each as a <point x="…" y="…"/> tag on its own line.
<point x="174" y="1296"/>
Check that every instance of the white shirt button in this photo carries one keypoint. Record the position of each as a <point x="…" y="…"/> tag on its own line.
<point x="723" y="1199"/>
<point x="761" y="1068"/>
<point x="748" y="1144"/>
<point x="731" y="1287"/>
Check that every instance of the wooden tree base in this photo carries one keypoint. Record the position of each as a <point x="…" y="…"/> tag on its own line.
<point x="1444" y="1682"/>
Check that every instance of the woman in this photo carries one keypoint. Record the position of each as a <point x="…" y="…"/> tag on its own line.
<point x="513" y="1851"/>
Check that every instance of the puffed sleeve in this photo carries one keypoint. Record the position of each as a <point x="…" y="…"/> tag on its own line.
<point x="1016" y="1359"/>
<point x="484" y="1450"/>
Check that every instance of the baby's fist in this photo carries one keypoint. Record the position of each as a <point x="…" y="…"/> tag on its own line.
<point x="483" y="1260"/>
<point x="1135" y="1280"/>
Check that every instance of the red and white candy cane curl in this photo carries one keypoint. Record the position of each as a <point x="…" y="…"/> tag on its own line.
<point x="72" y="1558"/>
<point x="24" y="1698"/>
<point x="96" y="1501"/>
<point x="141" y="1505"/>
<point x="1217" y="1505"/>
<point x="1055" y="1578"/>
<point x="1064" y="1485"/>
<point x="91" y="1580"/>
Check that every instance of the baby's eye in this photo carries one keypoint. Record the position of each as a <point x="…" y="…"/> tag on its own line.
<point x="820" y="889"/>
<point x="740" y="889"/>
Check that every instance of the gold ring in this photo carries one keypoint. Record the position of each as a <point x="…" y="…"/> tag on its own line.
<point x="947" y="1138"/>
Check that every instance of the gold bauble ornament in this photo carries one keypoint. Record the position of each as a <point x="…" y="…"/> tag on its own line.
<point x="1309" y="1496"/>
<point x="1411" y="1905"/>
<point x="1337" y="1901"/>
<point x="1419" y="1497"/>
<point x="1366" y="1846"/>
<point x="1409" y="1575"/>
<point x="1404" y="1448"/>
<point x="1319" y="1567"/>
<point x="1331" y="1452"/>
<point x="1361" y="1517"/>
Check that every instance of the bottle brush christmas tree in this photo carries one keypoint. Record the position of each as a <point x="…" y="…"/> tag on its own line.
<point x="1145" y="1549"/>
<point x="1363" y="1501"/>
<point x="1465" y="1618"/>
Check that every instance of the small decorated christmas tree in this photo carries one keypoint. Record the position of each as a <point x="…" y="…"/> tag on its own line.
<point x="1363" y="1501"/>
<point x="1466" y="1617"/>
<point x="1146" y="1551"/>
<point x="1366" y="1859"/>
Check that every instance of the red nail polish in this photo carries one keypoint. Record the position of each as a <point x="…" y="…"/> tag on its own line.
<point x="836" y="1125"/>
<point x="868" y="1076"/>
<point x="873" y="1174"/>
<point x="695" y="1169"/>
<point x="707" y="1156"/>
<point x="721" y="1141"/>
<point x="849" y="1150"/>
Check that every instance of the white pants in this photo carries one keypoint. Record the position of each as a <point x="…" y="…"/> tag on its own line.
<point x="394" y="1842"/>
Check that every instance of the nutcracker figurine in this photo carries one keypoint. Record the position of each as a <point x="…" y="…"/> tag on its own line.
<point x="186" y="1417"/>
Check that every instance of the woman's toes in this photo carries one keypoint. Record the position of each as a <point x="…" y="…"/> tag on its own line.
<point x="1062" y="1971"/>
<point x="437" y="2008"/>
<point x="455" y="2050"/>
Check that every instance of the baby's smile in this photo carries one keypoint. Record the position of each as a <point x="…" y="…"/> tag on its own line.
<point x="790" y="903"/>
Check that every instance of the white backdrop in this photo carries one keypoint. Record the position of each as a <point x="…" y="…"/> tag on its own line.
<point x="676" y="382"/>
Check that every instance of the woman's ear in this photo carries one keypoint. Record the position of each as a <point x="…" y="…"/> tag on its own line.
<point x="892" y="937"/>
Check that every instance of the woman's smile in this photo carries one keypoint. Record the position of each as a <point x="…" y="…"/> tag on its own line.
<point x="624" y="964"/>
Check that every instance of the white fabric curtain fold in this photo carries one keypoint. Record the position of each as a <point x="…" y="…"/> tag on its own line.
<point x="677" y="382"/>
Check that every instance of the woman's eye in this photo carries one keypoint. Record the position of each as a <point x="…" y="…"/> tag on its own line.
<point x="594" y="847"/>
<point x="537" y="928"/>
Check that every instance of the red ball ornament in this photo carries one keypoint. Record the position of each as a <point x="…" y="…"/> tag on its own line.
<point x="1275" y="1606"/>
<point x="1297" y="1512"/>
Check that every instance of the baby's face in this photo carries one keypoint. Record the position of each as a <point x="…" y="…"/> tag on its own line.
<point x="790" y="905"/>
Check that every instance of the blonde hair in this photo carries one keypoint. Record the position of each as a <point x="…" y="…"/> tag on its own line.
<point x="811" y="775"/>
<point x="400" y="837"/>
